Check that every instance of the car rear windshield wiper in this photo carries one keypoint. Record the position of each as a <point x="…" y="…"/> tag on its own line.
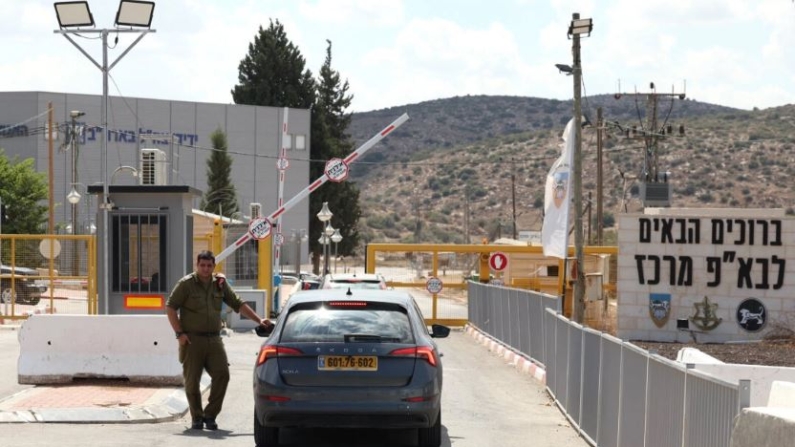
<point x="367" y="338"/>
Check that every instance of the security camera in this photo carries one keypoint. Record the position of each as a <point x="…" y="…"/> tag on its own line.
<point x="76" y="113"/>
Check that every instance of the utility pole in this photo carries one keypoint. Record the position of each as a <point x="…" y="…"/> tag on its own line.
<point x="578" y="27"/>
<point x="51" y="175"/>
<point x="513" y="200"/>
<point x="655" y="190"/>
<point x="75" y="148"/>
<point x="599" y="191"/>
<point x="466" y="214"/>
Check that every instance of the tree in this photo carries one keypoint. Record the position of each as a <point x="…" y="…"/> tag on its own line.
<point x="273" y="72"/>
<point x="333" y="140"/>
<point x="221" y="197"/>
<point x="22" y="191"/>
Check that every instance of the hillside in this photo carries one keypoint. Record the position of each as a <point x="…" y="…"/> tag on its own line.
<point x="416" y="181"/>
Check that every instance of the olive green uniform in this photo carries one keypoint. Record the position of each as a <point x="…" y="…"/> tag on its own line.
<point x="199" y="308"/>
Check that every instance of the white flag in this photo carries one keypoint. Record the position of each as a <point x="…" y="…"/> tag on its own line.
<point x="557" y="199"/>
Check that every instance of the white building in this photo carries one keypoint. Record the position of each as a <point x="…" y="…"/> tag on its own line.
<point x="178" y="134"/>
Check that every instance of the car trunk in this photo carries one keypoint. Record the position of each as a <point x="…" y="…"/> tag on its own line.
<point x="346" y="365"/>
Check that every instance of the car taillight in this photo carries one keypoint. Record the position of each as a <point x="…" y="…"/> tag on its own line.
<point x="421" y="352"/>
<point x="270" y="351"/>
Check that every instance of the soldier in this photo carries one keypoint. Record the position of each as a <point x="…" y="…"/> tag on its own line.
<point x="194" y="311"/>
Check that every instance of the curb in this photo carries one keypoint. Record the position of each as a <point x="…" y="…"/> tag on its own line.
<point x="519" y="361"/>
<point x="166" y="404"/>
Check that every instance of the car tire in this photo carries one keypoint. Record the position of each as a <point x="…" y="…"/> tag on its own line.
<point x="6" y="294"/>
<point x="265" y="436"/>
<point x="431" y="436"/>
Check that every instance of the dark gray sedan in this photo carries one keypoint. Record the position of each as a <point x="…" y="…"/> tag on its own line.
<point x="350" y="359"/>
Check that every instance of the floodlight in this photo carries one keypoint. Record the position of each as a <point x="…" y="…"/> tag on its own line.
<point x="581" y="26"/>
<point x="135" y="13"/>
<point x="73" y="14"/>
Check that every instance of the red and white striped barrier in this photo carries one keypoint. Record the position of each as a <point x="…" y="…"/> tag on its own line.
<point x="518" y="361"/>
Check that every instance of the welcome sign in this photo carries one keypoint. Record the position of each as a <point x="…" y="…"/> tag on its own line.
<point x="716" y="274"/>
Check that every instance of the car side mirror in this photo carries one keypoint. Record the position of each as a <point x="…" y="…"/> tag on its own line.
<point x="263" y="331"/>
<point x="439" y="331"/>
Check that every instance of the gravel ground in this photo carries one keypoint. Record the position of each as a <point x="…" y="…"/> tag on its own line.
<point x="768" y="353"/>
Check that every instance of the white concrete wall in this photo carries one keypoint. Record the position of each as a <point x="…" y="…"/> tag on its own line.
<point x="715" y="270"/>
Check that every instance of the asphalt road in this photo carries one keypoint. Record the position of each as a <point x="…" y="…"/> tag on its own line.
<point x="486" y="403"/>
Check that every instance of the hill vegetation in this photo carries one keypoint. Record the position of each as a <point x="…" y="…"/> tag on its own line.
<point x="416" y="183"/>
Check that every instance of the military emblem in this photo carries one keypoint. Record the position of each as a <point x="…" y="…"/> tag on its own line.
<point x="659" y="308"/>
<point x="559" y="188"/>
<point x="751" y="315"/>
<point x="705" y="317"/>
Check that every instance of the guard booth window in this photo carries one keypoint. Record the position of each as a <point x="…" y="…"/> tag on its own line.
<point x="138" y="253"/>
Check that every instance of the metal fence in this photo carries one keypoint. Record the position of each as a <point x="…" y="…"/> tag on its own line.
<point x="615" y="393"/>
<point x="47" y="274"/>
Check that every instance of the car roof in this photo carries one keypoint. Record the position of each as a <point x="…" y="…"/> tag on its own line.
<point x="382" y="296"/>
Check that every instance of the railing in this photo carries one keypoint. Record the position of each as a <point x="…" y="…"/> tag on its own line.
<point x="47" y="274"/>
<point x="615" y="393"/>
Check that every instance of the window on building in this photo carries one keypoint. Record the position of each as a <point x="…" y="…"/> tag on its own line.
<point x="138" y="253"/>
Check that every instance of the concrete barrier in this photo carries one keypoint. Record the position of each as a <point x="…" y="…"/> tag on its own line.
<point x="761" y="377"/>
<point x="782" y="394"/>
<point x="771" y="426"/>
<point x="60" y="348"/>
<point x="693" y="355"/>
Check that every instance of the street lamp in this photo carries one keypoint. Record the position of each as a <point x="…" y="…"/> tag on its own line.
<point x="336" y="238"/>
<point x="324" y="215"/>
<point x="327" y="232"/>
<point x="74" y="198"/>
<point x="324" y="241"/>
<point x="72" y="16"/>
<point x="578" y="27"/>
<point x="298" y="236"/>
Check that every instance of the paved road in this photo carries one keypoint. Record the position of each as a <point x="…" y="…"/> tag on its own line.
<point x="486" y="403"/>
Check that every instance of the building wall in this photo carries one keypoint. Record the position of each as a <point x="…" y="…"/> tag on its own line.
<point x="705" y="261"/>
<point x="253" y="133"/>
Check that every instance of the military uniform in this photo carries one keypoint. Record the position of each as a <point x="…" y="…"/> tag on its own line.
<point x="199" y="307"/>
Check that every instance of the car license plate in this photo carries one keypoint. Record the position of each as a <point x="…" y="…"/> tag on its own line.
<point x="347" y="363"/>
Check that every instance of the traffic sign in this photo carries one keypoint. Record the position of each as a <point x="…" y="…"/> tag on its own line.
<point x="498" y="261"/>
<point x="336" y="170"/>
<point x="434" y="285"/>
<point x="497" y="282"/>
<point x="282" y="164"/>
<point x="278" y="239"/>
<point x="259" y="228"/>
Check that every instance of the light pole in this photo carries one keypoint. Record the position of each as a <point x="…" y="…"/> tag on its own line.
<point x="324" y="215"/>
<point x="74" y="198"/>
<point x="324" y="241"/>
<point x="71" y="17"/>
<point x="578" y="27"/>
<point x="336" y="238"/>
<point x="327" y="232"/>
<point x="298" y="236"/>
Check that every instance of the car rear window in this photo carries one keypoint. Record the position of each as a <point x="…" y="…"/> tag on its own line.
<point x="333" y="321"/>
<point x="355" y="284"/>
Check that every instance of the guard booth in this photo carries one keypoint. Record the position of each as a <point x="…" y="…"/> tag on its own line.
<point x="150" y="245"/>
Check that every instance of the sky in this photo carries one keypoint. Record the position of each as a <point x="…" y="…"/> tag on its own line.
<point x="736" y="53"/>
